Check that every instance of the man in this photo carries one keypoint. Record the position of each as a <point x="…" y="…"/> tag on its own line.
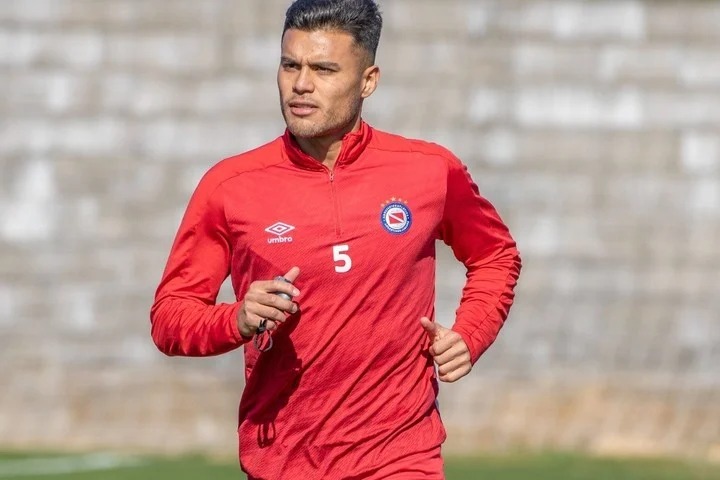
<point x="341" y="380"/>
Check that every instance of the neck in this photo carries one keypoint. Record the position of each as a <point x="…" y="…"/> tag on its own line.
<point x="326" y="149"/>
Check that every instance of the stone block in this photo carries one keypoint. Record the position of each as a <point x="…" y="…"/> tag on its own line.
<point x="270" y="17"/>
<point x="50" y="92"/>
<point x="144" y="95"/>
<point x="204" y="140"/>
<point x="485" y="105"/>
<point x="423" y="17"/>
<point x="704" y="198"/>
<point x="700" y="153"/>
<point x="163" y="51"/>
<point x="651" y="152"/>
<point x="573" y="20"/>
<point x="113" y="13"/>
<point x="700" y="68"/>
<point x="641" y="195"/>
<point x="412" y="109"/>
<point x="619" y="20"/>
<point x="678" y="21"/>
<point x="29" y="213"/>
<point x="579" y="107"/>
<point x="671" y="109"/>
<point x="79" y="48"/>
<point x="649" y="64"/>
<point x="41" y="11"/>
<point x="535" y="61"/>
<point x="258" y="53"/>
<point x="147" y="14"/>
<point x="400" y="59"/>
<point x="9" y="311"/>
<point x="232" y="94"/>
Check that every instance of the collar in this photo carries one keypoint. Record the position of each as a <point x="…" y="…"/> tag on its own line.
<point x="353" y="145"/>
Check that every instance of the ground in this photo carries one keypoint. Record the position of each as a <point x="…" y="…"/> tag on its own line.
<point x="507" y="467"/>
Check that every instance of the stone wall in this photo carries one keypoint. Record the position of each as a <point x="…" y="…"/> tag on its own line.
<point x="594" y="127"/>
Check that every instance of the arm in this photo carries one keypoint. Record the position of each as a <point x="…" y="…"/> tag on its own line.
<point x="480" y="240"/>
<point x="185" y="319"/>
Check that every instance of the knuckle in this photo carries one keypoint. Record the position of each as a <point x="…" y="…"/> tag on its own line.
<point x="271" y="300"/>
<point x="284" y="305"/>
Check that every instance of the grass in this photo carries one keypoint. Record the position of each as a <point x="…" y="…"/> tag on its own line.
<point x="510" y="467"/>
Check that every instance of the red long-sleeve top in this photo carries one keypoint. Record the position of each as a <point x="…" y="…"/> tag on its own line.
<point x="349" y="389"/>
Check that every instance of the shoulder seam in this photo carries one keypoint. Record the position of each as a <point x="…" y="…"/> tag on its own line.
<point x="237" y="174"/>
<point x="410" y="150"/>
<point x="220" y="185"/>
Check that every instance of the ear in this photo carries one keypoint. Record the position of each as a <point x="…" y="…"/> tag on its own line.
<point x="371" y="77"/>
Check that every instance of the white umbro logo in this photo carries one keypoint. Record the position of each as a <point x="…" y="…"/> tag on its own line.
<point x="280" y="229"/>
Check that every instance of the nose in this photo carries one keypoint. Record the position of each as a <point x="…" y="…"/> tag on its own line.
<point x="303" y="82"/>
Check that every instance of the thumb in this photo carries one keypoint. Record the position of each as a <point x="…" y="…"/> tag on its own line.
<point x="430" y="327"/>
<point x="292" y="274"/>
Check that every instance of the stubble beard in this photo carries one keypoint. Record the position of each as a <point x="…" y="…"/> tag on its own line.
<point x="334" y="121"/>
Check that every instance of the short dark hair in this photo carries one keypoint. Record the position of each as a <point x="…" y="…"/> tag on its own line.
<point x="359" y="18"/>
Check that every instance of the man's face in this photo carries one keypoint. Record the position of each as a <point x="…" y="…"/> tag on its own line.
<point x="322" y="80"/>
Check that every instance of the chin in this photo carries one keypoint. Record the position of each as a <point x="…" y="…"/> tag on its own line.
<point x="305" y="128"/>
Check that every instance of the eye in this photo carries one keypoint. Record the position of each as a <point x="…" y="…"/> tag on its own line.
<point x="289" y="65"/>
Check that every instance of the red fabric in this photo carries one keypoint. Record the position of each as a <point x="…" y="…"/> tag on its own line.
<point x="349" y="389"/>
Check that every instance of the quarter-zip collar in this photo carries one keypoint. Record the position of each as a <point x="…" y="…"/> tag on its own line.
<point x="353" y="145"/>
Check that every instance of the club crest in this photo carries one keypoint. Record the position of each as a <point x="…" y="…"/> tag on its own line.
<point x="395" y="216"/>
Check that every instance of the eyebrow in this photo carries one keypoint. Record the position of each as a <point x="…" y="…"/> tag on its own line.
<point x="328" y="65"/>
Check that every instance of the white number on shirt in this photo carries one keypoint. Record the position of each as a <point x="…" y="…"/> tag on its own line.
<point x="343" y="258"/>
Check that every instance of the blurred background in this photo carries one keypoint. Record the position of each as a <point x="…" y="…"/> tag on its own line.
<point x="593" y="126"/>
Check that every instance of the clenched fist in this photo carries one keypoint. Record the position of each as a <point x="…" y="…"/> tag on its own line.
<point x="449" y="351"/>
<point x="262" y="302"/>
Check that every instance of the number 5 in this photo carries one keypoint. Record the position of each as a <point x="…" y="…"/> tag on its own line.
<point x="339" y="256"/>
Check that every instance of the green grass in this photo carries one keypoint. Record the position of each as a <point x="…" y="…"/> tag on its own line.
<point x="510" y="467"/>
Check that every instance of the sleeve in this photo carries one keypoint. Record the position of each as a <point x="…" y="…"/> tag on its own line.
<point x="184" y="317"/>
<point x="481" y="241"/>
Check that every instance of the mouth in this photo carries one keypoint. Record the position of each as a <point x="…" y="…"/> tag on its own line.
<point x="302" y="108"/>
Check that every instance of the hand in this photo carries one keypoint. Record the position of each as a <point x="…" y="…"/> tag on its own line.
<point x="449" y="351"/>
<point x="261" y="302"/>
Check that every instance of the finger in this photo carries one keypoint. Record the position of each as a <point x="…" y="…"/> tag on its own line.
<point x="269" y="313"/>
<point x="259" y="290"/>
<point x="455" y="375"/>
<point x="451" y="366"/>
<point x="276" y="301"/>
<point x="457" y="351"/>
<point x="430" y="327"/>
<point x="281" y="286"/>
<point x="252" y="300"/>
<point x="446" y="339"/>
<point x="292" y="274"/>
<point x="256" y="320"/>
<point x="270" y="325"/>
